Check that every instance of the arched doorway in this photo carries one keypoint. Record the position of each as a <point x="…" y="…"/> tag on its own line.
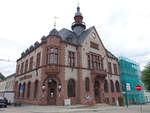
<point x="97" y="91"/>
<point x="52" y="91"/>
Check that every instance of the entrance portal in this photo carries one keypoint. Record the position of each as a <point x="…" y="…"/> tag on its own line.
<point x="52" y="92"/>
<point x="97" y="91"/>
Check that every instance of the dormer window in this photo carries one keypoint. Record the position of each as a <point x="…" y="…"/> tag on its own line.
<point x="53" y="56"/>
<point x="69" y="39"/>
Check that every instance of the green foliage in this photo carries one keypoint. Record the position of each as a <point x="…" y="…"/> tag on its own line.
<point x="146" y="77"/>
<point x="121" y="101"/>
<point x="2" y="77"/>
<point x="18" y="103"/>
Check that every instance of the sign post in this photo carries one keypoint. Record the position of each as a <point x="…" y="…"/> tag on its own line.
<point x="139" y="88"/>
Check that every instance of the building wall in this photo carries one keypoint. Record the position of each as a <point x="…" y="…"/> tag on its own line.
<point x="62" y="72"/>
<point x="2" y="87"/>
<point x="70" y="73"/>
<point x="129" y="74"/>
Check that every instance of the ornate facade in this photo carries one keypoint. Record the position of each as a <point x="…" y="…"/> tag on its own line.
<point x="69" y="65"/>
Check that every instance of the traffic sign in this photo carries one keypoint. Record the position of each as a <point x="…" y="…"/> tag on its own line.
<point x="128" y="87"/>
<point x="138" y="87"/>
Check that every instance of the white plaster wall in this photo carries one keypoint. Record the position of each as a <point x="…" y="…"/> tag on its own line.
<point x="10" y="83"/>
<point x="2" y="86"/>
<point x="70" y="72"/>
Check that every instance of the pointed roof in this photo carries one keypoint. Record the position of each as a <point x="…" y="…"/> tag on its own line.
<point x="54" y="32"/>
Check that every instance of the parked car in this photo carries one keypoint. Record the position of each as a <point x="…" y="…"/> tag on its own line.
<point x="3" y="102"/>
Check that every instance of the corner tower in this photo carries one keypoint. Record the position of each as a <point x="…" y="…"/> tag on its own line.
<point x="78" y="26"/>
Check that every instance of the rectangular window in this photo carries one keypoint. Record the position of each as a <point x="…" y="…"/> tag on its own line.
<point x="94" y="45"/>
<point x="52" y="56"/>
<point x="71" y="59"/>
<point x="89" y="65"/>
<point x="96" y="61"/>
<point x="31" y="64"/>
<point x="26" y="66"/>
<point x="109" y="67"/>
<point x="102" y="64"/>
<point x="18" y="69"/>
<point x="22" y="66"/>
<point x="38" y="57"/>
<point x="115" y="69"/>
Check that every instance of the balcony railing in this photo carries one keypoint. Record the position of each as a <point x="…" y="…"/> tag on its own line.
<point x="101" y="73"/>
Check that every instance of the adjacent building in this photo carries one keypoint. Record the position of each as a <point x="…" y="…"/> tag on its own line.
<point x="7" y="88"/>
<point x="130" y="78"/>
<point x="68" y="67"/>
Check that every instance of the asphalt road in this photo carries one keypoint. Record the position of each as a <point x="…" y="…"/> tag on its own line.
<point x="99" y="108"/>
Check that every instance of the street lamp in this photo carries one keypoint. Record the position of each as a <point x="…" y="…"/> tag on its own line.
<point x="43" y="87"/>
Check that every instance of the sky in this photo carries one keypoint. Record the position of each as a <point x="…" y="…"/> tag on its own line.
<point x="123" y="26"/>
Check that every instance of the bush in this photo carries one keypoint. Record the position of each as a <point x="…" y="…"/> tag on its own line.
<point x="120" y="100"/>
<point x="18" y="103"/>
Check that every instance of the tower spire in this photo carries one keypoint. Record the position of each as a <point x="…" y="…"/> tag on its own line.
<point x="78" y="25"/>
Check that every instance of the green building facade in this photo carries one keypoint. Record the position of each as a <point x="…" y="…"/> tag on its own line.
<point x="130" y="77"/>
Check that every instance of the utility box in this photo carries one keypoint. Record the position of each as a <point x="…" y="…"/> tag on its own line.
<point x="67" y="102"/>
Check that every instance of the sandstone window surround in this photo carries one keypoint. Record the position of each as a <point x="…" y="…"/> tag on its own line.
<point x="95" y="61"/>
<point x="115" y="69"/>
<point x="109" y="68"/>
<point x="18" y="68"/>
<point x="38" y="58"/>
<point x="31" y="63"/>
<point x="26" y="66"/>
<point x="106" y="86"/>
<point x="53" y="56"/>
<point x="71" y="58"/>
<point x="22" y="67"/>
<point x="87" y="84"/>
<point x="71" y="88"/>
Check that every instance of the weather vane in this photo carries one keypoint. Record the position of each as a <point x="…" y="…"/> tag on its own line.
<point x="55" y="21"/>
<point x="78" y="3"/>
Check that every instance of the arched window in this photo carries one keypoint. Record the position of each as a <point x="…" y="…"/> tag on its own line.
<point x="112" y="86"/>
<point x="87" y="87"/>
<point x="117" y="86"/>
<point x="71" y="88"/>
<point x="19" y="90"/>
<point x="28" y="92"/>
<point x="106" y="86"/>
<point x="36" y="84"/>
<point x="23" y="88"/>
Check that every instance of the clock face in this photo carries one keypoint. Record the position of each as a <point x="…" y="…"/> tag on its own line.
<point x="94" y="35"/>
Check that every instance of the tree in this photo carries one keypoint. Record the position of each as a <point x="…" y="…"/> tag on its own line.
<point x="2" y="77"/>
<point x="146" y="76"/>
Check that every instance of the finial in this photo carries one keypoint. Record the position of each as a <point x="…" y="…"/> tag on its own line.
<point x="78" y="8"/>
<point x="55" y="21"/>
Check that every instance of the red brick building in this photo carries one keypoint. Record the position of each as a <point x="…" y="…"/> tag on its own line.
<point x="68" y="64"/>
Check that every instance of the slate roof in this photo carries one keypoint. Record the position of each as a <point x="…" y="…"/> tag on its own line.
<point x="68" y="36"/>
<point x="71" y="37"/>
<point x="109" y="54"/>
